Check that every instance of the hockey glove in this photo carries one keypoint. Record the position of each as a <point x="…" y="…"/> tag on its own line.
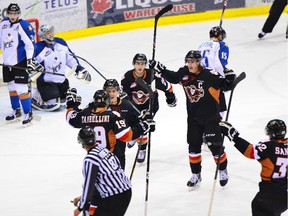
<point x="33" y="65"/>
<point x="228" y="130"/>
<point x="83" y="75"/>
<point x="157" y="66"/>
<point x="171" y="99"/>
<point x="230" y="76"/>
<point x="148" y="125"/>
<point x="73" y="100"/>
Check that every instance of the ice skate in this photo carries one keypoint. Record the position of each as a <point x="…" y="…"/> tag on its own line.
<point x="194" y="181"/>
<point x="27" y="118"/>
<point x="223" y="176"/>
<point x="15" y="114"/>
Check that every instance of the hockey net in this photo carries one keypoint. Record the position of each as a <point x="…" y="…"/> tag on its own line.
<point x="35" y="24"/>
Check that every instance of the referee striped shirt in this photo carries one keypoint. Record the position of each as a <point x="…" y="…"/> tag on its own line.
<point x="102" y="171"/>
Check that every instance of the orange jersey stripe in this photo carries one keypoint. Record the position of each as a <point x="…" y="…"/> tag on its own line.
<point x="215" y="93"/>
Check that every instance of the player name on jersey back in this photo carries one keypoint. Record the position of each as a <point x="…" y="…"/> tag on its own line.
<point x="95" y="118"/>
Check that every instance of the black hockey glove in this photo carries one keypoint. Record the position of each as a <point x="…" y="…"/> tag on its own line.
<point x="73" y="100"/>
<point x="83" y="75"/>
<point x="33" y="65"/>
<point x="147" y="125"/>
<point x="228" y="130"/>
<point x="157" y="66"/>
<point x="171" y="99"/>
<point x="230" y="76"/>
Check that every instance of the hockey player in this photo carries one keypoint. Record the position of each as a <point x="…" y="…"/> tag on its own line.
<point x="272" y="155"/>
<point x="18" y="46"/>
<point x="102" y="174"/>
<point x="54" y="54"/>
<point x="126" y="110"/>
<point x="108" y="125"/>
<point x="140" y="97"/>
<point x="215" y="53"/>
<point x="202" y="88"/>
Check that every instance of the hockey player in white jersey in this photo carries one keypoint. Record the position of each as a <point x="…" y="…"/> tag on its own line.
<point x="215" y="52"/>
<point x="18" y="46"/>
<point x="54" y="54"/>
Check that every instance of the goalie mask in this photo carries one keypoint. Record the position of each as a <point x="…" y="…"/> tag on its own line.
<point x="86" y="136"/>
<point x="101" y="98"/>
<point x="276" y="129"/>
<point x="46" y="33"/>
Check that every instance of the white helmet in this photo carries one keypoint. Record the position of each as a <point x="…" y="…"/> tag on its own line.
<point x="45" y="29"/>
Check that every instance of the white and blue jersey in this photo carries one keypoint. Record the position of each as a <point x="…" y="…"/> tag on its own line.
<point x="215" y="55"/>
<point x="16" y="41"/>
<point x="55" y="57"/>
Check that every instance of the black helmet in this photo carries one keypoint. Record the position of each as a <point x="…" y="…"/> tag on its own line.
<point x="139" y="57"/>
<point x="111" y="83"/>
<point x="13" y="8"/>
<point x="86" y="136"/>
<point x="193" y="54"/>
<point x="217" y="31"/>
<point x="276" y="129"/>
<point x="101" y="98"/>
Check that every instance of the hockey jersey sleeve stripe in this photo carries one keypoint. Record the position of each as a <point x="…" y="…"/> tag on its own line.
<point x="125" y="135"/>
<point x="215" y="93"/>
<point x="245" y="147"/>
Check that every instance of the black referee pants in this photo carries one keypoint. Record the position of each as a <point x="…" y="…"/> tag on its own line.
<point x="115" y="205"/>
<point x="274" y="14"/>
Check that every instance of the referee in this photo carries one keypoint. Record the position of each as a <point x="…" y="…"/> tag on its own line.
<point x="102" y="172"/>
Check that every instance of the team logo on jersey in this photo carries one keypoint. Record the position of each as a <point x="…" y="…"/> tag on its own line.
<point x="133" y="85"/>
<point x="100" y="6"/>
<point x="47" y="53"/>
<point x="4" y="26"/>
<point x="140" y="97"/>
<point x="194" y="94"/>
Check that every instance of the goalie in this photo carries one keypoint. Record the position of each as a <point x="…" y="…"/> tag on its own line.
<point x="54" y="54"/>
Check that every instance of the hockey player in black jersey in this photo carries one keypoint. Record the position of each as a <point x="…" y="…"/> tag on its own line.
<point x="104" y="176"/>
<point x="108" y="125"/>
<point x="140" y="97"/>
<point x="126" y="110"/>
<point x="202" y="88"/>
<point x="271" y="200"/>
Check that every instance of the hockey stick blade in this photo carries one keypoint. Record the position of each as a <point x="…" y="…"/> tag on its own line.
<point x="163" y="11"/>
<point x="238" y="79"/>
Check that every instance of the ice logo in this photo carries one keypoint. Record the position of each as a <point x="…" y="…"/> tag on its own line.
<point x="100" y="6"/>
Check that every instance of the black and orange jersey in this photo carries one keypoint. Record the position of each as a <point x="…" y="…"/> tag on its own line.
<point x="137" y="94"/>
<point x="202" y="90"/>
<point x="272" y="155"/>
<point x="108" y="125"/>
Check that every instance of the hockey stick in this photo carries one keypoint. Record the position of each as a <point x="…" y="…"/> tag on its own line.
<point x="223" y="10"/>
<point x="26" y="69"/>
<point x="151" y="97"/>
<point x="90" y="65"/>
<point x="141" y="82"/>
<point x="238" y="79"/>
